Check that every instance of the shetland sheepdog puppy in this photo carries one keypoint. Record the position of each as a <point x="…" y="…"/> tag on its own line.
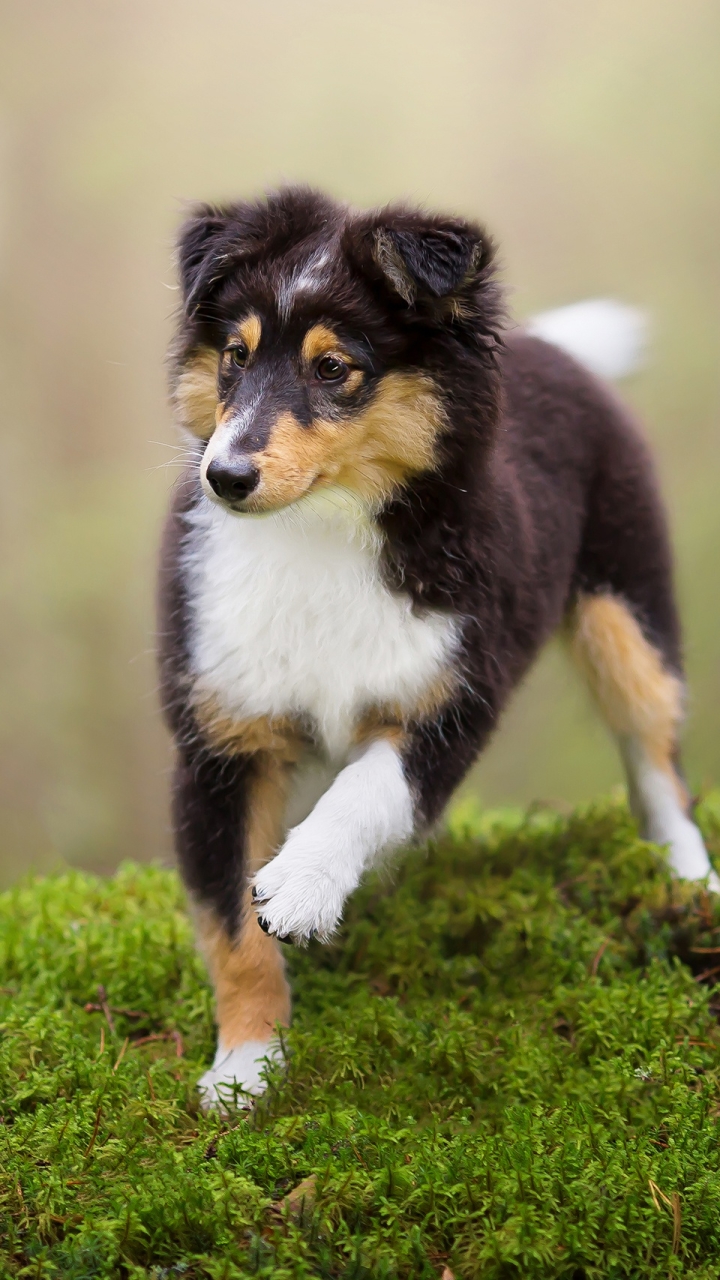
<point x="393" y="501"/>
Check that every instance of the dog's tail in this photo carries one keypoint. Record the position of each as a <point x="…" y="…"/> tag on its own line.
<point x="608" y="337"/>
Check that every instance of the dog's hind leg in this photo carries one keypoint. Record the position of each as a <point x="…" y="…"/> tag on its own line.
<point x="641" y="699"/>
<point x="625" y="635"/>
<point x="228" y="819"/>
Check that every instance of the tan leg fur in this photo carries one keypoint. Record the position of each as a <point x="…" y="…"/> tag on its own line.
<point x="642" y="702"/>
<point x="637" y="696"/>
<point x="248" y="972"/>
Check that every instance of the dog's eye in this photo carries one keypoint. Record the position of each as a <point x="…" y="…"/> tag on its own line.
<point x="330" y="369"/>
<point x="239" y="354"/>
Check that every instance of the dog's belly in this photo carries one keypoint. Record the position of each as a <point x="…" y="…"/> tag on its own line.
<point x="290" y="617"/>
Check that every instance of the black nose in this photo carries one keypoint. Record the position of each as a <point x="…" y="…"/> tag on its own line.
<point x="233" y="480"/>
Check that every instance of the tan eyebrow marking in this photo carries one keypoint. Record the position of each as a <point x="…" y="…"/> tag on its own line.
<point x="249" y="331"/>
<point x="318" y="341"/>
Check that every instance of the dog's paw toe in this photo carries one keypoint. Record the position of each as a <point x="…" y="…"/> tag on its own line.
<point x="267" y="928"/>
<point x="298" y="913"/>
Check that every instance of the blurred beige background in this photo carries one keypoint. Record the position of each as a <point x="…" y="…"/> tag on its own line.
<point x="585" y="135"/>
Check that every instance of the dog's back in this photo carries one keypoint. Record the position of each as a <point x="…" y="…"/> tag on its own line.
<point x="588" y="476"/>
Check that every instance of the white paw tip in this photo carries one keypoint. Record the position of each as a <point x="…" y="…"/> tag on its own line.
<point x="713" y="882"/>
<point x="235" y="1078"/>
<point x="688" y="855"/>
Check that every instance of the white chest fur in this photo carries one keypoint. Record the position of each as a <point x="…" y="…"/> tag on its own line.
<point x="291" y="617"/>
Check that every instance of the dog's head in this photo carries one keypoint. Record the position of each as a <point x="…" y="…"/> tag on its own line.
<point x="316" y="344"/>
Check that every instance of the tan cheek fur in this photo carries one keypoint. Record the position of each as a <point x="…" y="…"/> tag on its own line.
<point x="195" y="393"/>
<point x="638" y="696"/>
<point x="371" y="453"/>
<point x="195" y="396"/>
<point x="248" y="973"/>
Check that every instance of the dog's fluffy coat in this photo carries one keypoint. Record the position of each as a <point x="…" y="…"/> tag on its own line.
<point x="395" y="501"/>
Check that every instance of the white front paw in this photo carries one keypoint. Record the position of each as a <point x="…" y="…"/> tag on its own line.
<point x="688" y="855"/>
<point x="367" y="809"/>
<point x="234" y="1078"/>
<point x="298" y="899"/>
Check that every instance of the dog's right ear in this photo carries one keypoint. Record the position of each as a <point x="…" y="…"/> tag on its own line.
<point x="204" y="256"/>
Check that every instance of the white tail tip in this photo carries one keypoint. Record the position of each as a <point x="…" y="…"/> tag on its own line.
<point x="608" y="337"/>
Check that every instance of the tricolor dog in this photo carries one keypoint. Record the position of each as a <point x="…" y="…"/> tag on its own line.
<point x="393" y="501"/>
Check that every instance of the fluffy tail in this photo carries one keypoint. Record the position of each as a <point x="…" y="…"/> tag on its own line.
<point x="608" y="337"/>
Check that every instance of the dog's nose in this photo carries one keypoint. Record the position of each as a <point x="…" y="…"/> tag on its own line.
<point x="234" y="480"/>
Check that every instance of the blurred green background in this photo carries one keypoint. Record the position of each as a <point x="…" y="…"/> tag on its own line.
<point x="585" y="135"/>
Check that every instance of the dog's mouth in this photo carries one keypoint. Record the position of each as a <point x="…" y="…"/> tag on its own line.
<point x="242" y="488"/>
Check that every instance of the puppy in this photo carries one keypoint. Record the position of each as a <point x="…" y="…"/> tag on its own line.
<point x="392" y="502"/>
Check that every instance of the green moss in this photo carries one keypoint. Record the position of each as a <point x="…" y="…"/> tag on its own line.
<point x="505" y="1064"/>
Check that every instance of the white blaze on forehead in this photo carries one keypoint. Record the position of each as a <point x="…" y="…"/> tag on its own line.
<point x="306" y="277"/>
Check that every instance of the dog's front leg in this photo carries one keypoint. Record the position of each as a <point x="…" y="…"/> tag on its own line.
<point x="398" y="785"/>
<point x="366" y="810"/>
<point x="227" y="812"/>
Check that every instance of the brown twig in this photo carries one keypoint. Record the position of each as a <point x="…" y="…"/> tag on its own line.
<point x="673" y="1204"/>
<point x="102" y="1007"/>
<point x="655" y="1192"/>
<point x="677" y="1220"/>
<point x="96" y="1126"/>
<point x="121" y="1055"/>
<point x="707" y="973"/>
<point x="598" y="957"/>
<point x="102" y="997"/>
<point x="110" y="1009"/>
<point x="163" y="1035"/>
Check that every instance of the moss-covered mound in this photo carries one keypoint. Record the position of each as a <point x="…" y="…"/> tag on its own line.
<point x="507" y="1065"/>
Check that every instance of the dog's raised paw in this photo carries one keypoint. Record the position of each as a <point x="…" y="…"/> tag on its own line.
<point x="300" y="904"/>
<point x="235" y="1078"/>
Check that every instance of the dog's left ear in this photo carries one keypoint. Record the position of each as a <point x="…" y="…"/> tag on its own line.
<point x="421" y="257"/>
